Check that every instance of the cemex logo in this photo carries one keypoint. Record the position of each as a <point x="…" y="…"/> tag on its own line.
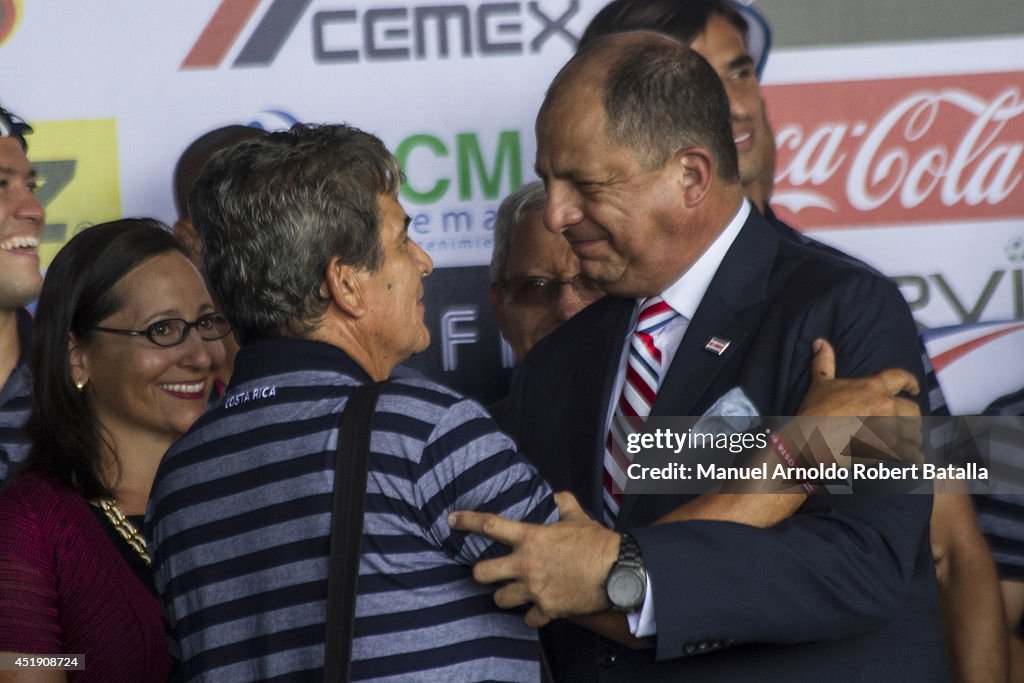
<point x="396" y="32"/>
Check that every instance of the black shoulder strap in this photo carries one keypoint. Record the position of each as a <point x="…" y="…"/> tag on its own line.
<point x="347" y="528"/>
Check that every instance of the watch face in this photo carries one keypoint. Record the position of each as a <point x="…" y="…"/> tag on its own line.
<point x="625" y="588"/>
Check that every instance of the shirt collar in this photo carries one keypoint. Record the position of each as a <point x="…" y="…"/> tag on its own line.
<point x="685" y="294"/>
<point x="279" y="355"/>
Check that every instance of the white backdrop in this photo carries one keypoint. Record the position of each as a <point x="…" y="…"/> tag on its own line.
<point x="906" y="155"/>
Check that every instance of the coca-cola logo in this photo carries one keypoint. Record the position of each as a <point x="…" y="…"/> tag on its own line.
<point x="899" y="151"/>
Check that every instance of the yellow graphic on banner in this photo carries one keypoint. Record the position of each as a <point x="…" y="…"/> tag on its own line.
<point x="79" y="183"/>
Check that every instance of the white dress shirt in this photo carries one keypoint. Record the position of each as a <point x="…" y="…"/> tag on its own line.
<point x="684" y="296"/>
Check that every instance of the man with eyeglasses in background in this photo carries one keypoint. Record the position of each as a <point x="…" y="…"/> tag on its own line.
<point x="536" y="283"/>
<point x="22" y="219"/>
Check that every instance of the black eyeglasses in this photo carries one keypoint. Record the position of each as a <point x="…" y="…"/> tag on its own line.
<point x="537" y="291"/>
<point x="173" y="331"/>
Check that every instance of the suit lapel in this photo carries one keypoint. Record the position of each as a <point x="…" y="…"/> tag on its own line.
<point x="694" y="367"/>
<point x="594" y="383"/>
<point x="740" y="284"/>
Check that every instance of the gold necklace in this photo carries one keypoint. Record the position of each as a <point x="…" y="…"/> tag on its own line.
<point x="126" y="529"/>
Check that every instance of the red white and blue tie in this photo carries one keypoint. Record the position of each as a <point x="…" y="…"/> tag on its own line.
<point x="643" y="377"/>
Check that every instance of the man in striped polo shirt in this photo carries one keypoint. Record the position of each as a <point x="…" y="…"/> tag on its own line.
<point x="22" y="219"/>
<point x="307" y="248"/>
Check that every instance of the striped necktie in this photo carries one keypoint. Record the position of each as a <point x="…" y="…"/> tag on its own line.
<point x="643" y="377"/>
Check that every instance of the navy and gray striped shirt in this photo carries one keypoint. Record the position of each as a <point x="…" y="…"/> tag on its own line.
<point x="239" y="520"/>
<point x="16" y="403"/>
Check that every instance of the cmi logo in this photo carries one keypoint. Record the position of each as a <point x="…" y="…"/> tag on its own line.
<point x="395" y="33"/>
<point x="10" y="15"/>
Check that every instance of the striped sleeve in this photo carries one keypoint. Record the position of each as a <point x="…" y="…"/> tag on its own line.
<point x="467" y="463"/>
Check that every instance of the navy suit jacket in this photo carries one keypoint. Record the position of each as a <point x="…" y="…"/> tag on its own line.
<point x="845" y="589"/>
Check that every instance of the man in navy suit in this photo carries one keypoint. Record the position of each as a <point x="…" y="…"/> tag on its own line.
<point x="637" y="155"/>
<point x="724" y="33"/>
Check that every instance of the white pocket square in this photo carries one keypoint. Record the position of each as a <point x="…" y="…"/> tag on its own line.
<point x="732" y="413"/>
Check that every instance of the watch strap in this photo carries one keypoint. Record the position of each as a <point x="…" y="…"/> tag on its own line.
<point x="629" y="551"/>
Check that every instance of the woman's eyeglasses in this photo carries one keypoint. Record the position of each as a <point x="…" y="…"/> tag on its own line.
<point x="174" y="331"/>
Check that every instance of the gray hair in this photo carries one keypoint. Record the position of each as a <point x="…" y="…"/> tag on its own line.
<point x="511" y="213"/>
<point x="273" y="212"/>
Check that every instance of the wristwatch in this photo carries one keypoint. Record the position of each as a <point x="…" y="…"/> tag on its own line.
<point x="627" y="581"/>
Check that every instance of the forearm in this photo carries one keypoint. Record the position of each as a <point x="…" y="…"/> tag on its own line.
<point x="976" y="639"/>
<point x="753" y="509"/>
<point x="764" y="503"/>
<point x="1013" y="606"/>
<point x="797" y="581"/>
<point x="969" y="598"/>
<point x="760" y="510"/>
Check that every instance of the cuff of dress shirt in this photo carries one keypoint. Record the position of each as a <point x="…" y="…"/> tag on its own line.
<point x="641" y="623"/>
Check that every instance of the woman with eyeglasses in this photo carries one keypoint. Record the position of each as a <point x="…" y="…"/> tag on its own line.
<point x="125" y="344"/>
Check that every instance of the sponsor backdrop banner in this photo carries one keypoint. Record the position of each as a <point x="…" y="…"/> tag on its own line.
<point x="907" y="155"/>
<point x="911" y="157"/>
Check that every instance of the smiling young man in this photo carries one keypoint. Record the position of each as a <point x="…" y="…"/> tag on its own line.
<point x="22" y="220"/>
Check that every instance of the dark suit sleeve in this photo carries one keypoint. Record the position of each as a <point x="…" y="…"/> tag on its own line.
<point x="844" y="564"/>
<point x="871" y="328"/>
<point x="868" y="323"/>
<point x="836" y="569"/>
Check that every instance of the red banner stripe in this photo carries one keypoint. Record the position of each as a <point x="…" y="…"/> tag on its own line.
<point x="220" y="34"/>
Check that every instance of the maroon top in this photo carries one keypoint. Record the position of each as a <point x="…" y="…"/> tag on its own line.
<point x="66" y="589"/>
